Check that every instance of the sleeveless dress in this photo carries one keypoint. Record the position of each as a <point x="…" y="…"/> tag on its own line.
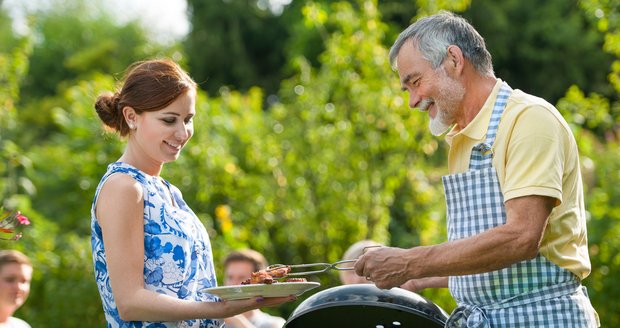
<point x="532" y="293"/>
<point x="178" y="260"/>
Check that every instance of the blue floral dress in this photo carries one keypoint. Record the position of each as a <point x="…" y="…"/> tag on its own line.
<point x="177" y="252"/>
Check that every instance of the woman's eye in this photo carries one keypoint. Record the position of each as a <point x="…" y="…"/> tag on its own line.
<point x="169" y="120"/>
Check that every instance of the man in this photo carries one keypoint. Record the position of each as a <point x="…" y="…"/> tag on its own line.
<point x="15" y="277"/>
<point x="238" y="266"/>
<point x="517" y="245"/>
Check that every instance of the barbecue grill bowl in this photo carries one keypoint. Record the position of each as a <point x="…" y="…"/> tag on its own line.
<point x="365" y="305"/>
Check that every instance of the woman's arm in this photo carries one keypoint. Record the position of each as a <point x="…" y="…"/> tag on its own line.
<point x="120" y="212"/>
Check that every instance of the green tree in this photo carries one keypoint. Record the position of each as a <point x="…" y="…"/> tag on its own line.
<point x="534" y="45"/>
<point x="329" y="159"/>
<point x="49" y="154"/>
<point x="596" y="122"/>
<point x="13" y="163"/>
<point x="71" y="45"/>
<point x="336" y="157"/>
<point x="235" y="43"/>
<point x="76" y="38"/>
<point x="72" y="48"/>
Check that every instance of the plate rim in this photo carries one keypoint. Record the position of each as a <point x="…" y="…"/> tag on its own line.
<point x="278" y="283"/>
<point x="309" y="284"/>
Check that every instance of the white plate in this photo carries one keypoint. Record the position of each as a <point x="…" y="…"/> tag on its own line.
<point x="238" y="292"/>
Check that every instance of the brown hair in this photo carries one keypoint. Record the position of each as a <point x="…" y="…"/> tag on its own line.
<point x="148" y="86"/>
<point x="247" y="255"/>
<point x="13" y="256"/>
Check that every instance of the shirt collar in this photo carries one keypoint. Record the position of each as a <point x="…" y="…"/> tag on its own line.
<point x="477" y="128"/>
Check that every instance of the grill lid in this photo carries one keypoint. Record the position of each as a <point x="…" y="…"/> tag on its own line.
<point x="365" y="305"/>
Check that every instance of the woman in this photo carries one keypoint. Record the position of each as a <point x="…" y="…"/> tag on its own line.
<point x="15" y="277"/>
<point x="152" y="255"/>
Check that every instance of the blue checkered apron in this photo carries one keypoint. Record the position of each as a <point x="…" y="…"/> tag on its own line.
<point x="533" y="293"/>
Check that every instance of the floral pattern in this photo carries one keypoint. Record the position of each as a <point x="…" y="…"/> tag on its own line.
<point x="178" y="260"/>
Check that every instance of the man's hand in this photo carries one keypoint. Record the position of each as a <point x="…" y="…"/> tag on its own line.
<point x="387" y="267"/>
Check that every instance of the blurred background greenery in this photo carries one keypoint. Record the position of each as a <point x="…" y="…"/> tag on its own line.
<point x="304" y="143"/>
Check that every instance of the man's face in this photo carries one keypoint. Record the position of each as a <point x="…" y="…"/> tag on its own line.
<point x="430" y="90"/>
<point x="14" y="285"/>
<point x="237" y="272"/>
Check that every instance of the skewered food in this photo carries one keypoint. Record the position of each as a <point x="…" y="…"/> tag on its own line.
<point x="269" y="276"/>
<point x="259" y="277"/>
<point x="279" y="272"/>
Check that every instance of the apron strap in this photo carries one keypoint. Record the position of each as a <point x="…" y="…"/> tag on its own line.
<point x="481" y="155"/>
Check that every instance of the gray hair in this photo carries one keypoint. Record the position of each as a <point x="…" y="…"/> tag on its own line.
<point x="356" y="250"/>
<point x="434" y="34"/>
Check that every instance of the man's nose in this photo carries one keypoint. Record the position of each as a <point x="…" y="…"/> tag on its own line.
<point x="414" y="99"/>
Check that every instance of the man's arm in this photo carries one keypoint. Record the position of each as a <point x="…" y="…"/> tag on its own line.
<point x="517" y="240"/>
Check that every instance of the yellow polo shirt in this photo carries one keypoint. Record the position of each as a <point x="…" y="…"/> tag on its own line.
<point x="534" y="153"/>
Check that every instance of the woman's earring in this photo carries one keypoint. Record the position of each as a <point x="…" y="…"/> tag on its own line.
<point x="131" y="126"/>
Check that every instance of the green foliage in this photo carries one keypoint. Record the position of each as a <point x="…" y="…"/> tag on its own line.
<point x="235" y="43"/>
<point x="534" y="48"/>
<point x="334" y="158"/>
<point x="328" y="160"/>
<point x="596" y="122"/>
<point x="428" y="7"/>
<point x="241" y="43"/>
<point x="77" y="38"/>
<point x="76" y="156"/>
<point x="13" y="68"/>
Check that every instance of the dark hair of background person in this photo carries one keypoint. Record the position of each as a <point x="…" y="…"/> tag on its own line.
<point x="247" y="255"/>
<point x="148" y="86"/>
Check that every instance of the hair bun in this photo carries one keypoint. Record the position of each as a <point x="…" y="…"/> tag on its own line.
<point x="106" y="107"/>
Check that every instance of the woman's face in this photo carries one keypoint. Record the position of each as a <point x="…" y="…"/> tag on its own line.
<point x="159" y="136"/>
<point x="14" y="285"/>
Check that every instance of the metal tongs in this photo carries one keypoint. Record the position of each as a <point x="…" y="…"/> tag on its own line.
<point x="321" y="267"/>
<point x="324" y="267"/>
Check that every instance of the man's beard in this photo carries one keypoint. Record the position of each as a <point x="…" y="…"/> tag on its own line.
<point x="446" y="105"/>
<point x="439" y="124"/>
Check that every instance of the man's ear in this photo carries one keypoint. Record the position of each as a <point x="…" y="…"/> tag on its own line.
<point x="454" y="59"/>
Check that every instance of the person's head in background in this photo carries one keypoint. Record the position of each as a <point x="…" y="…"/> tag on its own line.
<point x="356" y="250"/>
<point x="15" y="277"/>
<point x="239" y="265"/>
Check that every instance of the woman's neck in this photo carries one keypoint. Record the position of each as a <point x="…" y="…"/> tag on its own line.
<point x="152" y="169"/>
